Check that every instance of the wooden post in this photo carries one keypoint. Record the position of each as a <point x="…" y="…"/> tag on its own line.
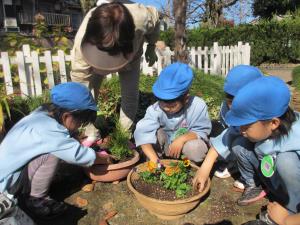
<point x="205" y="59"/>
<point x="62" y="66"/>
<point x="49" y="68"/>
<point x="212" y="61"/>
<point x="227" y="55"/>
<point x="239" y="55"/>
<point x="194" y="61"/>
<point x="217" y="58"/>
<point x="36" y="73"/>
<point x="247" y="55"/>
<point x="20" y="60"/>
<point x="28" y="68"/>
<point x="7" y="73"/>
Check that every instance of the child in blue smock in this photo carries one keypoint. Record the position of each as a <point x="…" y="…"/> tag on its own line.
<point x="238" y="77"/>
<point x="30" y="152"/>
<point x="177" y="122"/>
<point x="261" y="110"/>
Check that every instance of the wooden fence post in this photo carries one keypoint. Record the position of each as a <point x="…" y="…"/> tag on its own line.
<point x="36" y="73"/>
<point x="62" y="66"/>
<point x="28" y="68"/>
<point x="22" y="74"/>
<point x="205" y="52"/>
<point x="7" y="73"/>
<point x="49" y="68"/>
<point x="246" y="51"/>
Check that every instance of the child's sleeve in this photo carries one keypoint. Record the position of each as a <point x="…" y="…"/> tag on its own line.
<point x="145" y="132"/>
<point x="222" y="142"/>
<point x="198" y="119"/>
<point x="60" y="144"/>
<point x="77" y="154"/>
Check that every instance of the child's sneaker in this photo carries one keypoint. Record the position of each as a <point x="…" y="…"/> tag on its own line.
<point x="45" y="208"/>
<point x="7" y="205"/>
<point x="251" y="195"/>
<point x="225" y="172"/>
<point x="239" y="184"/>
<point x="255" y="222"/>
<point x="263" y="216"/>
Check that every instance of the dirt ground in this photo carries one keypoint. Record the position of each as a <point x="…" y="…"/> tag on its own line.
<point x="218" y="207"/>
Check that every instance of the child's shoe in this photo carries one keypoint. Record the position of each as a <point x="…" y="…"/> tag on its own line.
<point x="255" y="222"/>
<point x="251" y="195"/>
<point x="45" y="208"/>
<point x="7" y="205"/>
<point x="263" y="216"/>
<point x="225" y="172"/>
<point x="239" y="184"/>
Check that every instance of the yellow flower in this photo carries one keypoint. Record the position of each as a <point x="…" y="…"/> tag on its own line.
<point x="151" y="166"/>
<point x="186" y="162"/>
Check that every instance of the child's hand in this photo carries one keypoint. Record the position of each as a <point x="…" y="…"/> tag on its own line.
<point x="277" y="213"/>
<point x="175" y="148"/>
<point x="200" y="180"/>
<point x="105" y="159"/>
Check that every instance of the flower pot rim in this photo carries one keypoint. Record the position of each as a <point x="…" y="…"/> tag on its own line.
<point x="173" y="202"/>
<point x="127" y="163"/>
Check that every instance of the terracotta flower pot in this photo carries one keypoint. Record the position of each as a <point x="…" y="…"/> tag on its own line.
<point x="112" y="172"/>
<point x="167" y="210"/>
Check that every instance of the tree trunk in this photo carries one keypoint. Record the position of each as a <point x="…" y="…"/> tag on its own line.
<point x="179" y="11"/>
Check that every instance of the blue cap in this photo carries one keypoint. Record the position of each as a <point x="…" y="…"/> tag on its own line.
<point x="239" y="76"/>
<point x="173" y="81"/>
<point x="73" y="96"/>
<point x="262" y="99"/>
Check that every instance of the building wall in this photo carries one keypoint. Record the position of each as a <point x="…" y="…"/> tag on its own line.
<point x="1" y="15"/>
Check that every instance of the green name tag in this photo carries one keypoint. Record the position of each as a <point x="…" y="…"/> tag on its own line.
<point x="267" y="166"/>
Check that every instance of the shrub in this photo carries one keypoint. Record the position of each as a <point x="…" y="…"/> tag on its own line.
<point x="270" y="41"/>
<point x="208" y="87"/>
<point x="296" y="77"/>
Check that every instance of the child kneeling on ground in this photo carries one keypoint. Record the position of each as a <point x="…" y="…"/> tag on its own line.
<point x="261" y="110"/>
<point x="237" y="78"/>
<point x="30" y="152"/>
<point x="177" y="123"/>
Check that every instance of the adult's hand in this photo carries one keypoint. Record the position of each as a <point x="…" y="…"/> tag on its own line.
<point x="150" y="54"/>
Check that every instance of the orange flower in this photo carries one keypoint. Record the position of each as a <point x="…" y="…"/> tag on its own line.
<point x="170" y="170"/>
<point x="186" y="162"/>
<point x="151" y="166"/>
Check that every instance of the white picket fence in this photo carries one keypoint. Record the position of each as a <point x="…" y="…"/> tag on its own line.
<point x="216" y="60"/>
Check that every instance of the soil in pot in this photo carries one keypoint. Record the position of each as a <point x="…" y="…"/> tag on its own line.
<point x="157" y="191"/>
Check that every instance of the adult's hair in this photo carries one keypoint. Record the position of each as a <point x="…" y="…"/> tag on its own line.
<point x="286" y="121"/>
<point x="111" y="28"/>
<point x="83" y="116"/>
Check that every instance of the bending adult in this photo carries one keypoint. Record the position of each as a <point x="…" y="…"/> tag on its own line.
<point x="110" y="39"/>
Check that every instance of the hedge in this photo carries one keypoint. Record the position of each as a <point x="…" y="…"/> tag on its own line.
<point x="271" y="41"/>
<point x="296" y="77"/>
